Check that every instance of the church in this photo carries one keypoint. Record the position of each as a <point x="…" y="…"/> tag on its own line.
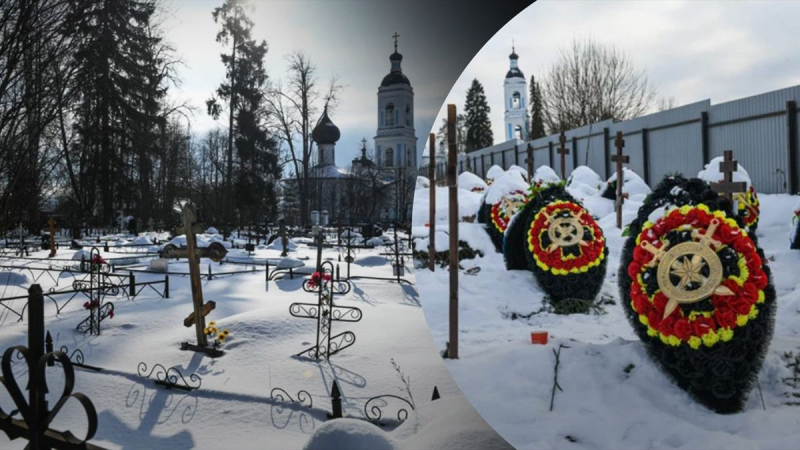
<point x="376" y="188"/>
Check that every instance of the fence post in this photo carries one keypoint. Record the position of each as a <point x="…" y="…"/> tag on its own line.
<point x="503" y="158"/>
<point x="432" y="210"/>
<point x="516" y="154"/>
<point x="607" y="151"/>
<point x="36" y="395"/>
<point x="483" y="167"/>
<point x="550" y="150"/>
<point x="166" y="286"/>
<point x="452" y="182"/>
<point x="646" y="154"/>
<point x="791" y="123"/>
<point x="575" y="152"/>
<point x="132" y="284"/>
<point x="704" y="138"/>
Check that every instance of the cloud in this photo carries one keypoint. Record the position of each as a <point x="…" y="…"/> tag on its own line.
<point x="690" y="50"/>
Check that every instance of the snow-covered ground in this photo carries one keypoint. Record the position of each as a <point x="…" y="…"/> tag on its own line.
<point x="233" y="407"/>
<point x="613" y="394"/>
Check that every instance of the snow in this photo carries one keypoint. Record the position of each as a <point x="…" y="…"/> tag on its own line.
<point x="494" y="172"/>
<point x="375" y="242"/>
<point x="712" y="174"/>
<point x="233" y="407"/>
<point x="468" y="205"/>
<point x="506" y="185"/>
<point x="349" y="434"/>
<point x="211" y="230"/>
<point x="584" y="182"/>
<point x="142" y="240"/>
<point x="510" y="381"/>
<point x="634" y="185"/>
<point x="277" y="244"/>
<point x="519" y="169"/>
<point x="471" y="182"/>
<point x="545" y="174"/>
<point x="422" y="182"/>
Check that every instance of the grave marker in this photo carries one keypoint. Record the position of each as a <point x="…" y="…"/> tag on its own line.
<point x="563" y="151"/>
<point x="620" y="159"/>
<point x="216" y="252"/>
<point x="728" y="166"/>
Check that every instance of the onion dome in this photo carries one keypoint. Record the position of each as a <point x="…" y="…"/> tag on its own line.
<point x="325" y="132"/>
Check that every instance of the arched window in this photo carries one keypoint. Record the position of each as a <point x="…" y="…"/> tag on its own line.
<point x="516" y="102"/>
<point x="388" y="159"/>
<point x="389" y="115"/>
<point x="408" y="115"/>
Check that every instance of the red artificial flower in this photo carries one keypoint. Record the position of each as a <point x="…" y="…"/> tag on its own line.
<point x="111" y="314"/>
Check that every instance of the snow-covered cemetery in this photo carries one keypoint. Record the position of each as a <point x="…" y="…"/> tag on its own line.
<point x="169" y="289"/>
<point x="582" y="311"/>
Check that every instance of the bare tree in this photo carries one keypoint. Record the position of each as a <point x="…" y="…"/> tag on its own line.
<point x="592" y="82"/>
<point x="293" y="109"/>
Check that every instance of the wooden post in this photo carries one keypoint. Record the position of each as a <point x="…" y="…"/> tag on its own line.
<point x="432" y="206"/>
<point x="52" y="224"/>
<point x="452" y="182"/>
<point x="563" y="151"/>
<point x="188" y="216"/>
<point x="620" y="159"/>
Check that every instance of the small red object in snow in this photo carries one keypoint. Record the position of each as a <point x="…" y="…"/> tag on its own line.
<point x="539" y="337"/>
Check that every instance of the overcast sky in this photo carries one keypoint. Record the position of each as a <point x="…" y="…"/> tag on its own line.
<point x="691" y="50"/>
<point x="349" y="39"/>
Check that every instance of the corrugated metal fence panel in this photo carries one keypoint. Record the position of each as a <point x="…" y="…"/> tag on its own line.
<point x="675" y="150"/>
<point x="760" y="146"/>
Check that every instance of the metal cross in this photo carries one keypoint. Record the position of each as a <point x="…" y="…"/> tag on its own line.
<point x="620" y="159"/>
<point x="395" y="36"/>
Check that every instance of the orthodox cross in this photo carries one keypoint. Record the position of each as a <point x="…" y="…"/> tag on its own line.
<point x="728" y="187"/>
<point x="529" y="161"/>
<point x="620" y="159"/>
<point x="52" y="229"/>
<point x="325" y="312"/>
<point x="215" y="252"/>
<point x="563" y="151"/>
<point x="395" y="36"/>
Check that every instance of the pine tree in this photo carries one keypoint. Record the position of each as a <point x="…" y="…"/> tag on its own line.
<point x="537" y="110"/>
<point x="117" y="101"/>
<point x="477" y="123"/>
<point x="252" y="187"/>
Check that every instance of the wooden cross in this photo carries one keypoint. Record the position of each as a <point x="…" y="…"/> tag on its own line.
<point x="620" y="159"/>
<point x="529" y="161"/>
<point x="728" y="187"/>
<point x="563" y="151"/>
<point x="215" y="252"/>
<point x="52" y="230"/>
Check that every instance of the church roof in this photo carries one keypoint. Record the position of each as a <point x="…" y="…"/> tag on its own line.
<point x="395" y="78"/>
<point x="325" y="132"/>
<point x="514" y="73"/>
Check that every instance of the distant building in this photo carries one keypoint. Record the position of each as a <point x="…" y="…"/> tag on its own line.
<point x="515" y="89"/>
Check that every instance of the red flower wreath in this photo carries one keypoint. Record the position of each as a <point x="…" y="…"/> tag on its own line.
<point x="556" y="261"/>
<point x="729" y="311"/>
<point x="500" y="216"/>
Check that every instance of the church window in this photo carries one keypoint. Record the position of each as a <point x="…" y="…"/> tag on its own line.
<point x="516" y="102"/>
<point x="389" y="158"/>
<point x="518" y="132"/>
<point x="408" y="115"/>
<point x="390" y="115"/>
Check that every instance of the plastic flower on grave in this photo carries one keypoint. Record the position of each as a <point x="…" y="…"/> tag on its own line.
<point x="503" y="211"/>
<point x="748" y="207"/>
<point x="111" y="314"/>
<point x="564" y="239"/>
<point x="696" y="277"/>
<point x="97" y="259"/>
